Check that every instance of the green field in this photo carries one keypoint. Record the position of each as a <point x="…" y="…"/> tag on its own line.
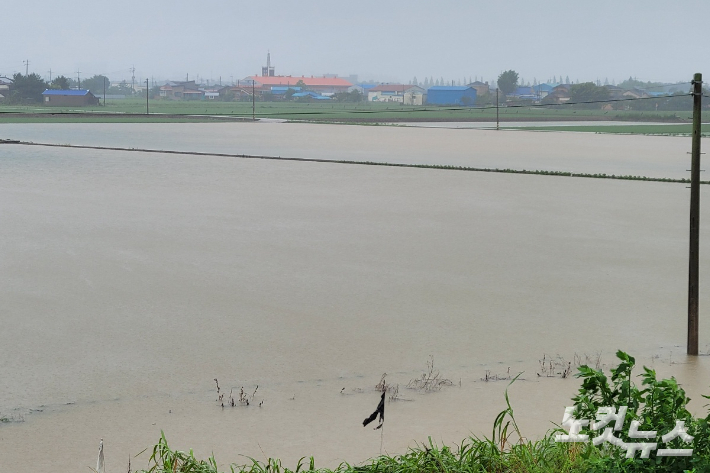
<point x="683" y="129"/>
<point x="321" y="112"/>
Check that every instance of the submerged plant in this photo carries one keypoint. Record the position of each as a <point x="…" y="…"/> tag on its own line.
<point x="430" y="380"/>
<point x="506" y="451"/>
<point x="656" y="405"/>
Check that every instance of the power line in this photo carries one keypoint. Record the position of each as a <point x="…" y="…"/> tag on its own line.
<point x="443" y="167"/>
<point x="454" y="109"/>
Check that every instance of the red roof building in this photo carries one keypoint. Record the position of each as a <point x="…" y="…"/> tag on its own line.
<point x="317" y="84"/>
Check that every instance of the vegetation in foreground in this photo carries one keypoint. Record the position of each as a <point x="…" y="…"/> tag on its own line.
<point x="657" y="405"/>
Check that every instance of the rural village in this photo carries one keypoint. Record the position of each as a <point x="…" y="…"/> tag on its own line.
<point x="509" y="88"/>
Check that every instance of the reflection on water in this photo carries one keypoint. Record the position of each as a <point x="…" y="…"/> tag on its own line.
<point x="133" y="280"/>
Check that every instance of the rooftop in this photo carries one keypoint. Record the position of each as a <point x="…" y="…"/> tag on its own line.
<point x="293" y="80"/>
<point x="79" y="92"/>
<point x="449" y="87"/>
<point x="392" y="88"/>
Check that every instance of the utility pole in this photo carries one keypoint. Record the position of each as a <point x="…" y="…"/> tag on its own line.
<point x="78" y="79"/>
<point x="26" y="62"/>
<point x="133" y="79"/>
<point x="253" y="101"/>
<point x="147" y="110"/>
<point x="104" y="91"/>
<point x="497" y="105"/>
<point x="693" y="263"/>
<point x="50" y="75"/>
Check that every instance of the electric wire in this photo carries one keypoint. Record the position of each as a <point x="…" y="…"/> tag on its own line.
<point x="438" y="109"/>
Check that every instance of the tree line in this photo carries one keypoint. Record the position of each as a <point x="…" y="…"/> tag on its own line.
<point x="28" y="88"/>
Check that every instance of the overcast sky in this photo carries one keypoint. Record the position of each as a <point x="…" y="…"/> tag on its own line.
<point x="385" y="40"/>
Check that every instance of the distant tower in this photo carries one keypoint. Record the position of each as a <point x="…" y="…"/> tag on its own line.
<point x="269" y="70"/>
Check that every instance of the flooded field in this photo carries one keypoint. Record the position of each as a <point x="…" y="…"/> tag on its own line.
<point x="133" y="280"/>
<point x="654" y="156"/>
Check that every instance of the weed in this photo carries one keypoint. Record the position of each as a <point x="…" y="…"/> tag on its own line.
<point x="242" y="400"/>
<point x="383" y="387"/>
<point x="494" y="377"/>
<point x="657" y="407"/>
<point x="506" y="451"/>
<point x="430" y="380"/>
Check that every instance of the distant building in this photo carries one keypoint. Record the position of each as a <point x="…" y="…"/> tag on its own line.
<point x="362" y="88"/>
<point x="541" y="90"/>
<point x="481" y="87"/>
<point x="278" y="90"/>
<point x="451" y="95"/>
<point x="309" y="96"/>
<point x="615" y="92"/>
<point x="636" y="93"/>
<point x="524" y="93"/>
<point x="68" y="98"/>
<point x="322" y="85"/>
<point x="399" y="93"/>
<point x="181" y="90"/>
<point x="559" y="94"/>
<point x="238" y="93"/>
<point x="211" y="94"/>
<point x="5" y="85"/>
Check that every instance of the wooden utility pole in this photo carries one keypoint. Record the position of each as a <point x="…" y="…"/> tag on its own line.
<point x="253" y="102"/>
<point x="694" y="264"/>
<point x="497" y="105"/>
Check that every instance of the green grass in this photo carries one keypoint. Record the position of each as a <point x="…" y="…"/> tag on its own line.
<point x="472" y="455"/>
<point x="683" y="129"/>
<point x="657" y="405"/>
<point x="506" y="451"/>
<point x="333" y="112"/>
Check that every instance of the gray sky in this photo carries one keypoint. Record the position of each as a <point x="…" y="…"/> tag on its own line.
<point x="388" y="40"/>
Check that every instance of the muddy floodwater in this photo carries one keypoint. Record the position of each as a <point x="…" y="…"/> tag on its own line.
<point x="132" y="280"/>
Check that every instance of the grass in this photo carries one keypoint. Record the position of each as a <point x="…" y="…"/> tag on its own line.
<point x="657" y="406"/>
<point x="506" y="451"/>
<point x="683" y="129"/>
<point x="321" y="112"/>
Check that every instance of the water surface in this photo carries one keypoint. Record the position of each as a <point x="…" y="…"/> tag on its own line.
<point x="132" y="280"/>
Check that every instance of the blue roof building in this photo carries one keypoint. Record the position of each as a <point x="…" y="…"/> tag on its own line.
<point x="542" y="89"/>
<point x="309" y="94"/>
<point x="451" y="95"/>
<point x="523" y="90"/>
<point x="65" y="93"/>
<point x="276" y="90"/>
<point x="75" y="98"/>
